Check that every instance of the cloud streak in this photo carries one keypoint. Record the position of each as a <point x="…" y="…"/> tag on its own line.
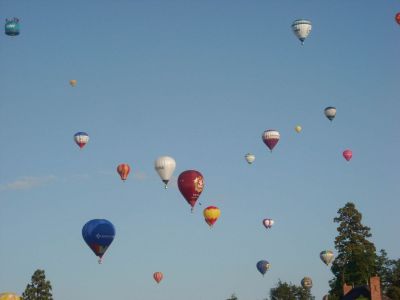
<point x="28" y="182"/>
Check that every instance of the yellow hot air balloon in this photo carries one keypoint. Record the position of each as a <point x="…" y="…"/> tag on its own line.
<point x="298" y="128"/>
<point x="73" y="82"/>
<point x="211" y="215"/>
<point x="9" y="296"/>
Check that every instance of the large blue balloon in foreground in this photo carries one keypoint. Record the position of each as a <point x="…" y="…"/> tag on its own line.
<point x="263" y="266"/>
<point x="98" y="235"/>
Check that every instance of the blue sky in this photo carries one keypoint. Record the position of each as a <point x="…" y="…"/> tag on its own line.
<point x="199" y="81"/>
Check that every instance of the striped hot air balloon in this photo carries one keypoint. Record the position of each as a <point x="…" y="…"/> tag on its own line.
<point x="211" y="215"/>
<point x="158" y="276"/>
<point x="123" y="171"/>
<point x="271" y="138"/>
<point x="301" y="28"/>
<point x="81" y="139"/>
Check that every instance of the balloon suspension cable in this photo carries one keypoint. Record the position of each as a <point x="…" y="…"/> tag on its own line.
<point x="191" y="209"/>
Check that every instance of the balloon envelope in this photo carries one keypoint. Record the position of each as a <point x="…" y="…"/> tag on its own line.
<point x="306" y="283"/>
<point x="301" y="28"/>
<point x="191" y="184"/>
<point x="81" y="139"/>
<point x="165" y="167"/>
<point x="9" y="296"/>
<point x="98" y="235"/>
<point x="271" y="138"/>
<point x="158" y="276"/>
<point x="268" y="223"/>
<point x="298" y="128"/>
<point x="347" y="154"/>
<point x="73" y="82"/>
<point x="326" y="256"/>
<point x="330" y="112"/>
<point x="398" y="18"/>
<point x="211" y="215"/>
<point x="263" y="266"/>
<point x="123" y="171"/>
<point x="250" y="158"/>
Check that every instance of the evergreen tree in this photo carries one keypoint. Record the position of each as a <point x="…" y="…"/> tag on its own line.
<point x="356" y="259"/>
<point x="39" y="288"/>
<point x="233" y="297"/>
<point x="289" y="291"/>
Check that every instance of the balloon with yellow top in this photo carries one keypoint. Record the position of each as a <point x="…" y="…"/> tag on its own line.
<point x="298" y="128"/>
<point x="211" y="215"/>
<point x="9" y="296"/>
<point x="73" y="82"/>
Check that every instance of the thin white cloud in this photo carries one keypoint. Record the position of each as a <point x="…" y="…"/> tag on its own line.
<point x="140" y="175"/>
<point x="27" y="182"/>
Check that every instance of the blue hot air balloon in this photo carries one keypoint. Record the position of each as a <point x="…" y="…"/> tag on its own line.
<point x="263" y="266"/>
<point x="98" y="235"/>
<point x="12" y="27"/>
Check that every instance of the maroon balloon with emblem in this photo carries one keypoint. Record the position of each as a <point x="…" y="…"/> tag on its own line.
<point x="191" y="184"/>
<point x="347" y="154"/>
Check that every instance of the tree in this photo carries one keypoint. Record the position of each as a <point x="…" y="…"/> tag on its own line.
<point x="289" y="291"/>
<point x="233" y="297"/>
<point x="39" y="288"/>
<point x="356" y="259"/>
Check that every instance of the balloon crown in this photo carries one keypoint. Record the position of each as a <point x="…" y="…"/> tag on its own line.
<point x="12" y="21"/>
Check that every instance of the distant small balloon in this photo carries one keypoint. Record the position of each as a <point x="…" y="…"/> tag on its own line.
<point x="81" y="139"/>
<point x="301" y="28"/>
<point x="398" y="18"/>
<point x="306" y="283"/>
<point x="263" y="266"/>
<point x="250" y="158"/>
<point x="158" y="276"/>
<point x="211" y="215"/>
<point x="347" y="154"/>
<point x="268" y="223"/>
<point x="326" y="256"/>
<point x="271" y="138"/>
<point x="298" y="128"/>
<point x="73" y="82"/>
<point x="123" y="171"/>
<point x="330" y="112"/>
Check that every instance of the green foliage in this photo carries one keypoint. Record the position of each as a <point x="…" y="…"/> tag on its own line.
<point x="289" y="291"/>
<point x="356" y="258"/>
<point x="233" y="297"/>
<point x="39" y="288"/>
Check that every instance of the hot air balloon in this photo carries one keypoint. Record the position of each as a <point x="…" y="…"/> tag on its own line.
<point x="73" y="82"/>
<point x="158" y="276"/>
<point x="306" y="283"/>
<point x="81" y="139"/>
<point x="12" y="27"/>
<point x="326" y="256"/>
<point x="211" y="215"/>
<point x="165" y="167"/>
<point x="123" y="171"/>
<point x="347" y="154"/>
<point x="271" y="138"/>
<point x="263" y="266"/>
<point x="268" y="223"/>
<point x="191" y="184"/>
<point x="98" y="235"/>
<point x="9" y="296"/>
<point x="301" y="28"/>
<point x="298" y="128"/>
<point x="398" y="18"/>
<point x="330" y="112"/>
<point x="250" y="158"/>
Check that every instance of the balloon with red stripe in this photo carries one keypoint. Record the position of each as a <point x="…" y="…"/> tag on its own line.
<point x="211" y="215"/>
<point x="347" y="154"/>
<point x="123" y="171"/>
<point x="158" y="276"/>
<point x="81" y="139"/>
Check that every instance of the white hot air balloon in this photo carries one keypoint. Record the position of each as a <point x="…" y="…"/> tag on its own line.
<point x="250" y="158"/>
<point x="165" y="167"/>
<point x="301" y="28"/>
<point x="330" y="112"/>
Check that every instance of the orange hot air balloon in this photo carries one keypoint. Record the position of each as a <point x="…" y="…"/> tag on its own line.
<point x="73" y="82"/>
<point x="398" y="18"/>
<point x="211" y="215"/>
<point x="158" y="276"/>
<point x="123" y="171"/>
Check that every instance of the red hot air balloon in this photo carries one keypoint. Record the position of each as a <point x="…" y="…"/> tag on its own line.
<point x="123" y="171"/>
<point x="191" y="184"/>
<point x="158" y="276"/>
<point x="347" y="154"/>
<point x="271" y="138"/>
<point x="398" y="18"/>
